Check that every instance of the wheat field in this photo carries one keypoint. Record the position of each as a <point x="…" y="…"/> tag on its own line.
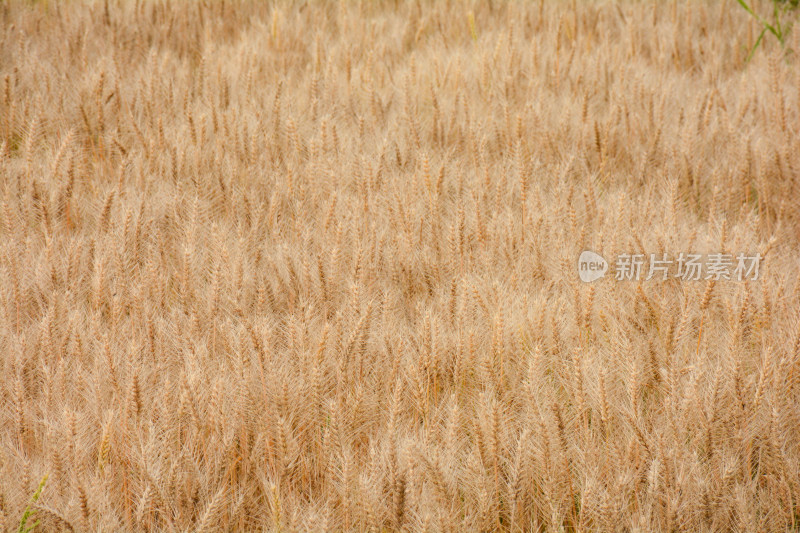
<point x="313" y="267"/>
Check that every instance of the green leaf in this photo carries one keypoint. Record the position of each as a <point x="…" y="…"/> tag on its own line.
<point x="746" y="7"/>
<point x="758" y="41"/>
<point x="29" y="512"/>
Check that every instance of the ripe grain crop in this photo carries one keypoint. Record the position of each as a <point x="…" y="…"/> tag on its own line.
<point x="312" y="266"/>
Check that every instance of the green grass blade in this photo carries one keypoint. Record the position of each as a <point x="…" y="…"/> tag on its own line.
<point x="764" y="24"/>
<point x="755" y="46"/>
<point x="746" y="7"/>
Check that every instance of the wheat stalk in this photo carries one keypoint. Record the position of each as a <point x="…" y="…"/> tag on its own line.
<point x="287" y="267"/>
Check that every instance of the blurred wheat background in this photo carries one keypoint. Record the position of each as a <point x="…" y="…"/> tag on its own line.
<point x="312" y="266"/>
